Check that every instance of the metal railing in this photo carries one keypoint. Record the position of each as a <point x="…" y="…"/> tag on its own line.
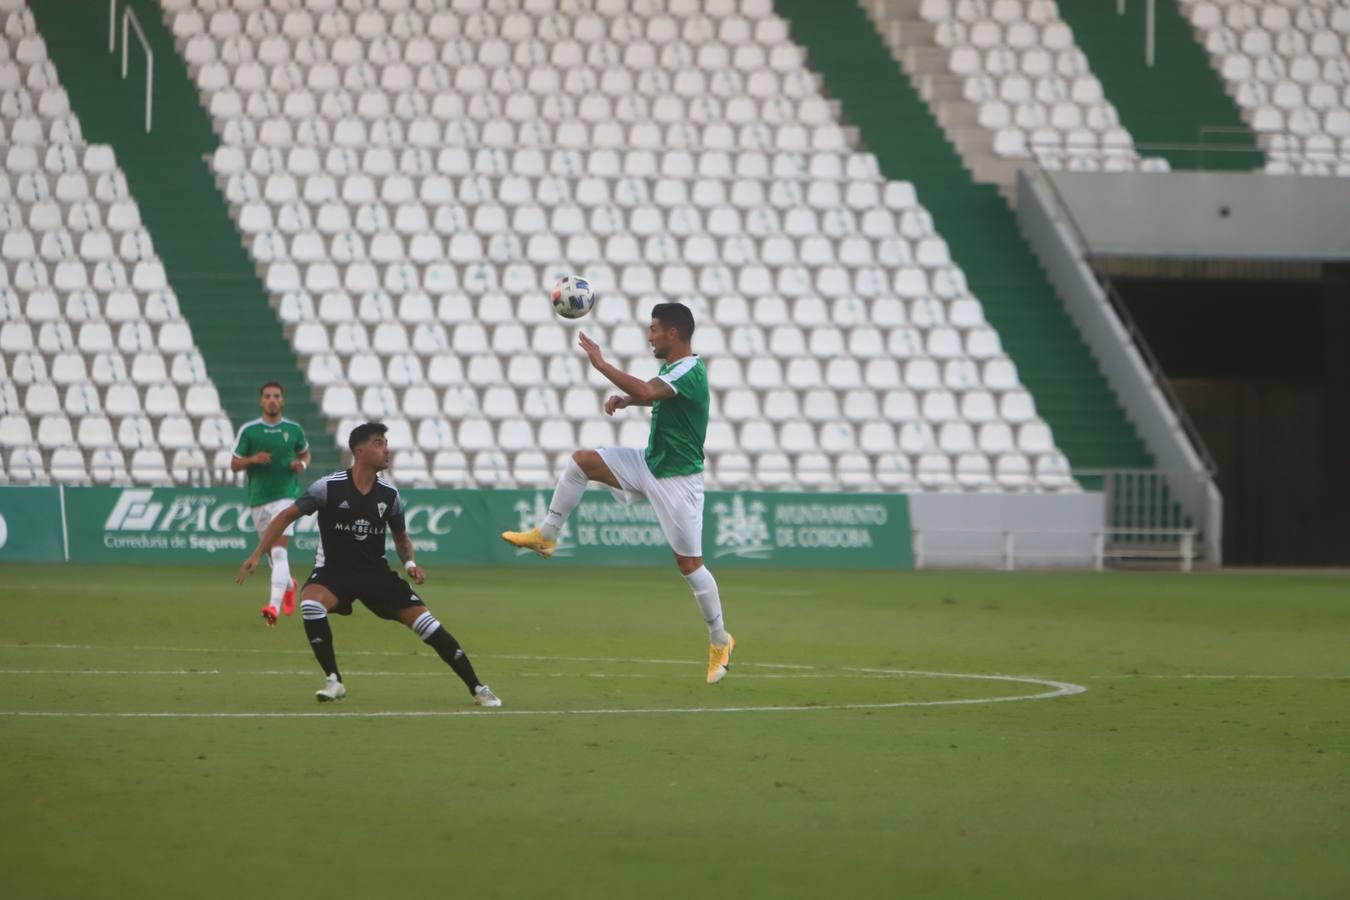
<point x="1162" y="544"/>
<point x="129" y="20"/>
<point x="1150" y="28"/>
<point x="1136" y="336"/>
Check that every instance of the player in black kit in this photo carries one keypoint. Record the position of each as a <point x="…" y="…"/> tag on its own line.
<point x="355" y="508"/>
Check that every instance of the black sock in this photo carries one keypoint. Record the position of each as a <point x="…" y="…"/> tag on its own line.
<point x="444" y="643"/>
<point x="320" y="636"/>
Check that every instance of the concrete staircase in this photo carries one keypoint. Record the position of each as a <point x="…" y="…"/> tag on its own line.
<point x="911" y="42"/>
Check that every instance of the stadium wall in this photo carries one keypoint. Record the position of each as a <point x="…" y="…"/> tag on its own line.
<point x="1209" y="215"/>
<point x="155" y="525"/>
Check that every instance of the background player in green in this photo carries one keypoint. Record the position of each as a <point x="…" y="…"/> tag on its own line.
<point x="274" y="452"/>
<point x="669" y="473"/>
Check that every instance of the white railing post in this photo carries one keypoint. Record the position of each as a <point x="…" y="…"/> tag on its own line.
<point x="918" y="548"/>
<point x="1120" y="7"/>
<point x="1150" y="27"/>
<point x="1187" y="550"/>
<point x="1098" y="550"/>
<point x="112" y="25"/>
<point x="1009" y="551"/>
<point x="129" y="18"/>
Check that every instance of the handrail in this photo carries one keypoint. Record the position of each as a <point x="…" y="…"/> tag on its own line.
<point x="1127" y="321"/>
<point x="129" y="17"/>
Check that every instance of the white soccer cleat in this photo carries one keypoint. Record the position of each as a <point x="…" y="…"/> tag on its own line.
<point x="483" y="696"/>
<point x="332" y="690"/>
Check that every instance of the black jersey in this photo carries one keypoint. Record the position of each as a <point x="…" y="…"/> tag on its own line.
<point x="352" y="525"/>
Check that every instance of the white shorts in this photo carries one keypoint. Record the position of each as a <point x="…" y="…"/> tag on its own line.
<point x="263" y="515"/>
<point x="678" y="500"/>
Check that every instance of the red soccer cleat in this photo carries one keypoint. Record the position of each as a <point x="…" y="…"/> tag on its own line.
<point x="269" y="614"/>
<point x="288" y="600"/>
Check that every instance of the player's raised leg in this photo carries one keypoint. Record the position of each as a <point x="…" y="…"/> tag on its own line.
<point x="315" y="604"/>
<point x="438" y="638"/>
<point x="584" y="466"/>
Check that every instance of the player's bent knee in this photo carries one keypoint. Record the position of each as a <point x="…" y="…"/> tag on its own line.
<point x="411" y="614"/>
<point x="319" y="594"/>
<point x="688" y="564"/>
<point x="593" y="464"/>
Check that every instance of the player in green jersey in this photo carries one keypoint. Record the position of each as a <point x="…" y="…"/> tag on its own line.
<point x="274" y="452"/>
<point x="669" y="473"/>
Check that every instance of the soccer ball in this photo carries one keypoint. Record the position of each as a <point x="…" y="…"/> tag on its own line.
<point x="572" y="297"/>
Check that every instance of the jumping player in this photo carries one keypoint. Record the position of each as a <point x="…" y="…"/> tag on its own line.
<point x="669" y="473"/>
<point x="274" y="452"/>
<point x="355" y="509"/>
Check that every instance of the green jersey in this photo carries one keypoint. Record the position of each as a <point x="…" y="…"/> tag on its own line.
<point x="680" y="423"/>
<point x="274" y="480"/>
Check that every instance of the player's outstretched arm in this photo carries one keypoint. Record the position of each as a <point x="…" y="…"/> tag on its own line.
<point x="274" y="530"/>
<point x="640" y="393"/>
<point x="403" y="546"/>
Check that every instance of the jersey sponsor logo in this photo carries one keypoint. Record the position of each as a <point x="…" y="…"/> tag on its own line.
<point x="741" y="529"/>
<point x="359" y="529"/>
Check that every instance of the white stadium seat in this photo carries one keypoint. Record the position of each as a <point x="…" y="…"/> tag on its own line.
<point x="406" y="193"/>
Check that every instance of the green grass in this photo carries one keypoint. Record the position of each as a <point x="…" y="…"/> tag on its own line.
<point x="1150" y="784"/>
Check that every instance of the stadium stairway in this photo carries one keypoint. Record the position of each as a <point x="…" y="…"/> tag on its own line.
<point x="1182" y="73"/>
<point x="895" y="123"/>
<point x="218" y="291"/>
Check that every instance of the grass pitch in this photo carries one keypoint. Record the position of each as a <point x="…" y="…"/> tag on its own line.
<point x="1208" y="757"/>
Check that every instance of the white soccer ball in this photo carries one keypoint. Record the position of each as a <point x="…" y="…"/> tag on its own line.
<point x="572" y="297"/>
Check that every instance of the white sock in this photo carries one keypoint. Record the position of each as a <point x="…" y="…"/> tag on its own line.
<point x="566" y="496"/>
<point x="281" y="574"/>
<point x="704" y="586"/>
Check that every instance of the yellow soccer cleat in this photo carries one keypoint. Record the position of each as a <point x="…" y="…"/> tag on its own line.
<point x="719" y="660"/>
<point x="531" y="540"/>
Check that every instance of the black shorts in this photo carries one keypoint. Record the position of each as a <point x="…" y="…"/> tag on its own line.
<point x="383" y="592"/>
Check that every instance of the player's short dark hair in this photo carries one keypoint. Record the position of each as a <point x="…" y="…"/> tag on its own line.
<point x="275" y="384"/>
<point x="364" y="432"/>
<point x="677" y="316"/>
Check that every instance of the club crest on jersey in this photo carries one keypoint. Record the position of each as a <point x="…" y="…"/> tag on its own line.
<point x="382" y="507"/>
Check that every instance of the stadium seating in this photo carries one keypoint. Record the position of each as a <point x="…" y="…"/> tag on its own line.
<point x="100" y="380"/>
<point x="1030" y="84"/>
<point x="1288" y="67"/>
<point x="410" y="177"/>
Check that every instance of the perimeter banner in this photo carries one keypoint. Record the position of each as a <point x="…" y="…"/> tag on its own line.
<point x="30" y="525"/>
<point x="213" y="525"/>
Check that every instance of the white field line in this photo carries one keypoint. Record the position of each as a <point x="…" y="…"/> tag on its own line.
<point x="435" y="673"/>
<point x="1059" y="689"/>
<point x="117" y="672"/>
<point x="418" y="653"/>
<point x="1056" y="689"/>
<point x="1200" y="677"/>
